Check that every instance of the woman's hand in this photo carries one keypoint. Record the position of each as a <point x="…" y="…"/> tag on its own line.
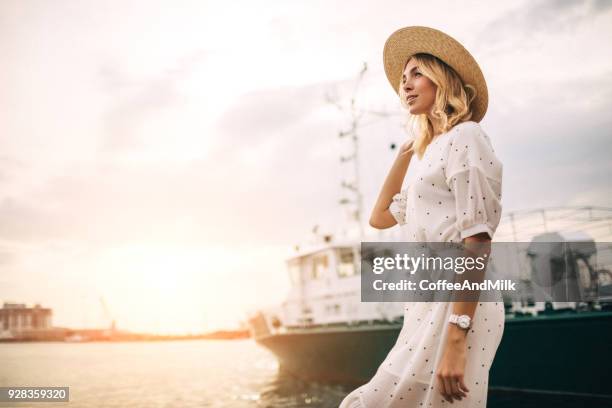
<point x="406" y="148"/>
<point x="381" y="217"/>
<point x="452" y="367"/>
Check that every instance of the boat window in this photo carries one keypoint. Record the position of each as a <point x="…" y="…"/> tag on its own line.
<point x="346" y="263"/>
<point x="332" y="309"/>
<point x="319" y="266"/>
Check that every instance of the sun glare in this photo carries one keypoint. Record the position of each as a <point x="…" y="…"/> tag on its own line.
<point x="169" y="289"/>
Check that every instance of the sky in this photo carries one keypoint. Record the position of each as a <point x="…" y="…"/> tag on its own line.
<point x="164" y="158"/>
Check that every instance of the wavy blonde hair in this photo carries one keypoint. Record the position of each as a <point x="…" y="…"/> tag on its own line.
<point x="451" y="106"/>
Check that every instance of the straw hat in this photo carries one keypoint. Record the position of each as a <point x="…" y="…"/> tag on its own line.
<point x="408" y="41"/>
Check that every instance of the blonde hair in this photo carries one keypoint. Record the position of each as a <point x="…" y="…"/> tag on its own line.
<point x="451" y="106"/>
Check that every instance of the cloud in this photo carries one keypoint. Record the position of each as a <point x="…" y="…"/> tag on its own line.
<point x="20" y="221"/>
<point x="271" y="166"/>
<point x="9" y="168"/>
<point x="601" y="196"/>
<point x="144" y="101"/>
<point x="6" y="257"/>
<point x="135" y="101"/>
<point x="266" y="110"/>
<point x="273" y="174"/>
<point x="287" y="117"/>
<point x="521" y="27"/>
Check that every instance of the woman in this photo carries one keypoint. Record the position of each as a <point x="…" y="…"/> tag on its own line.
<point x="445" y="349"/>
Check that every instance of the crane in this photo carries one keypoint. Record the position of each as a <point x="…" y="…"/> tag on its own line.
<point x="107" y="314"/>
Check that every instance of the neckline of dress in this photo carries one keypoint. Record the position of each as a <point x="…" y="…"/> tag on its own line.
<point x="450" y="130"/>
<point x="440" y="136"/>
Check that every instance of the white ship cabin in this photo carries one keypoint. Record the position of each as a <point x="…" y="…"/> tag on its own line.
<point x="326" y="290"/>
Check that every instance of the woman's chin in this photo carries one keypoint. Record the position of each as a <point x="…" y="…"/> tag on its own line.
<point x="414" y="110"/>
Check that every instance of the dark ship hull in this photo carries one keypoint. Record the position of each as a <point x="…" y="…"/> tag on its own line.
<point x="562" y="353"/>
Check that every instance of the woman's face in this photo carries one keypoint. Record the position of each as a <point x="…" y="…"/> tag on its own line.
<point x="419" y="91"/>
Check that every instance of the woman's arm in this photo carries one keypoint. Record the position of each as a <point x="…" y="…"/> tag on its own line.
<point x="381" y="217"/>
<point x="478" y="245"/>
<point x="452" y="367"/>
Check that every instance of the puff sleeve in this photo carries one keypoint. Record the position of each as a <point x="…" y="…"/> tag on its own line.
<point x="398" y="207"/>
<point x="474" y="175"/>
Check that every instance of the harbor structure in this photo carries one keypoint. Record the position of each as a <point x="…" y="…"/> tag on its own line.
<point x="17" y="317"/>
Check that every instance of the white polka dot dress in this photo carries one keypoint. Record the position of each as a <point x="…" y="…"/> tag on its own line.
<point x="456" y="194"/>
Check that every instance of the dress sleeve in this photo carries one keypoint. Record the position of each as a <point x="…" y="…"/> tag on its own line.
<point x="474" y="175"/>
<point x="398" y="207"/>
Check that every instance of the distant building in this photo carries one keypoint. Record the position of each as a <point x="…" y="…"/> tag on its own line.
<point x="16" y="317"/>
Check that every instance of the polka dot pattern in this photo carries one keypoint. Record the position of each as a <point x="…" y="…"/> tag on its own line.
<point x="453" y="195"/>
<point x="456" y="193"/>
<point x="411" y="378"/>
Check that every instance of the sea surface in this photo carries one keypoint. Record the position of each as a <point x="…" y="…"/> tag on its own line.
<point x="185" y="374"/>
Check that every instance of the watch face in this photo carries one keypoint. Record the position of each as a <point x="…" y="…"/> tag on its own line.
<point x="463" y="322"/>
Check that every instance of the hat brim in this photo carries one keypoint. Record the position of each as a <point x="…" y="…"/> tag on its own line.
<point x="407" y="41"/>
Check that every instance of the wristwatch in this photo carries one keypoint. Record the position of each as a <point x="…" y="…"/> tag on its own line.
<point x="462" y="321"/>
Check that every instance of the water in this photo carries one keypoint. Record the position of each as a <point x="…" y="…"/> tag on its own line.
<point x="199" y="373"/>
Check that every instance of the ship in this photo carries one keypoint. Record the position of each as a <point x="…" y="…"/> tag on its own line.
<point x="323" y="332"/>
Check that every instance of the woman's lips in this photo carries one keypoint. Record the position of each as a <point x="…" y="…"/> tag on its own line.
<point x="411" y="99"/>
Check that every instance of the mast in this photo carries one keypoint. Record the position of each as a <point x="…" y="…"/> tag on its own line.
<point x="356" y="115"/>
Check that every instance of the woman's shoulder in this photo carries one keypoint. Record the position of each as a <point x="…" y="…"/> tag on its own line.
<point x="468" y="127"/>
<point x="471" y="147"/>
<point x="469" y="132"/>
